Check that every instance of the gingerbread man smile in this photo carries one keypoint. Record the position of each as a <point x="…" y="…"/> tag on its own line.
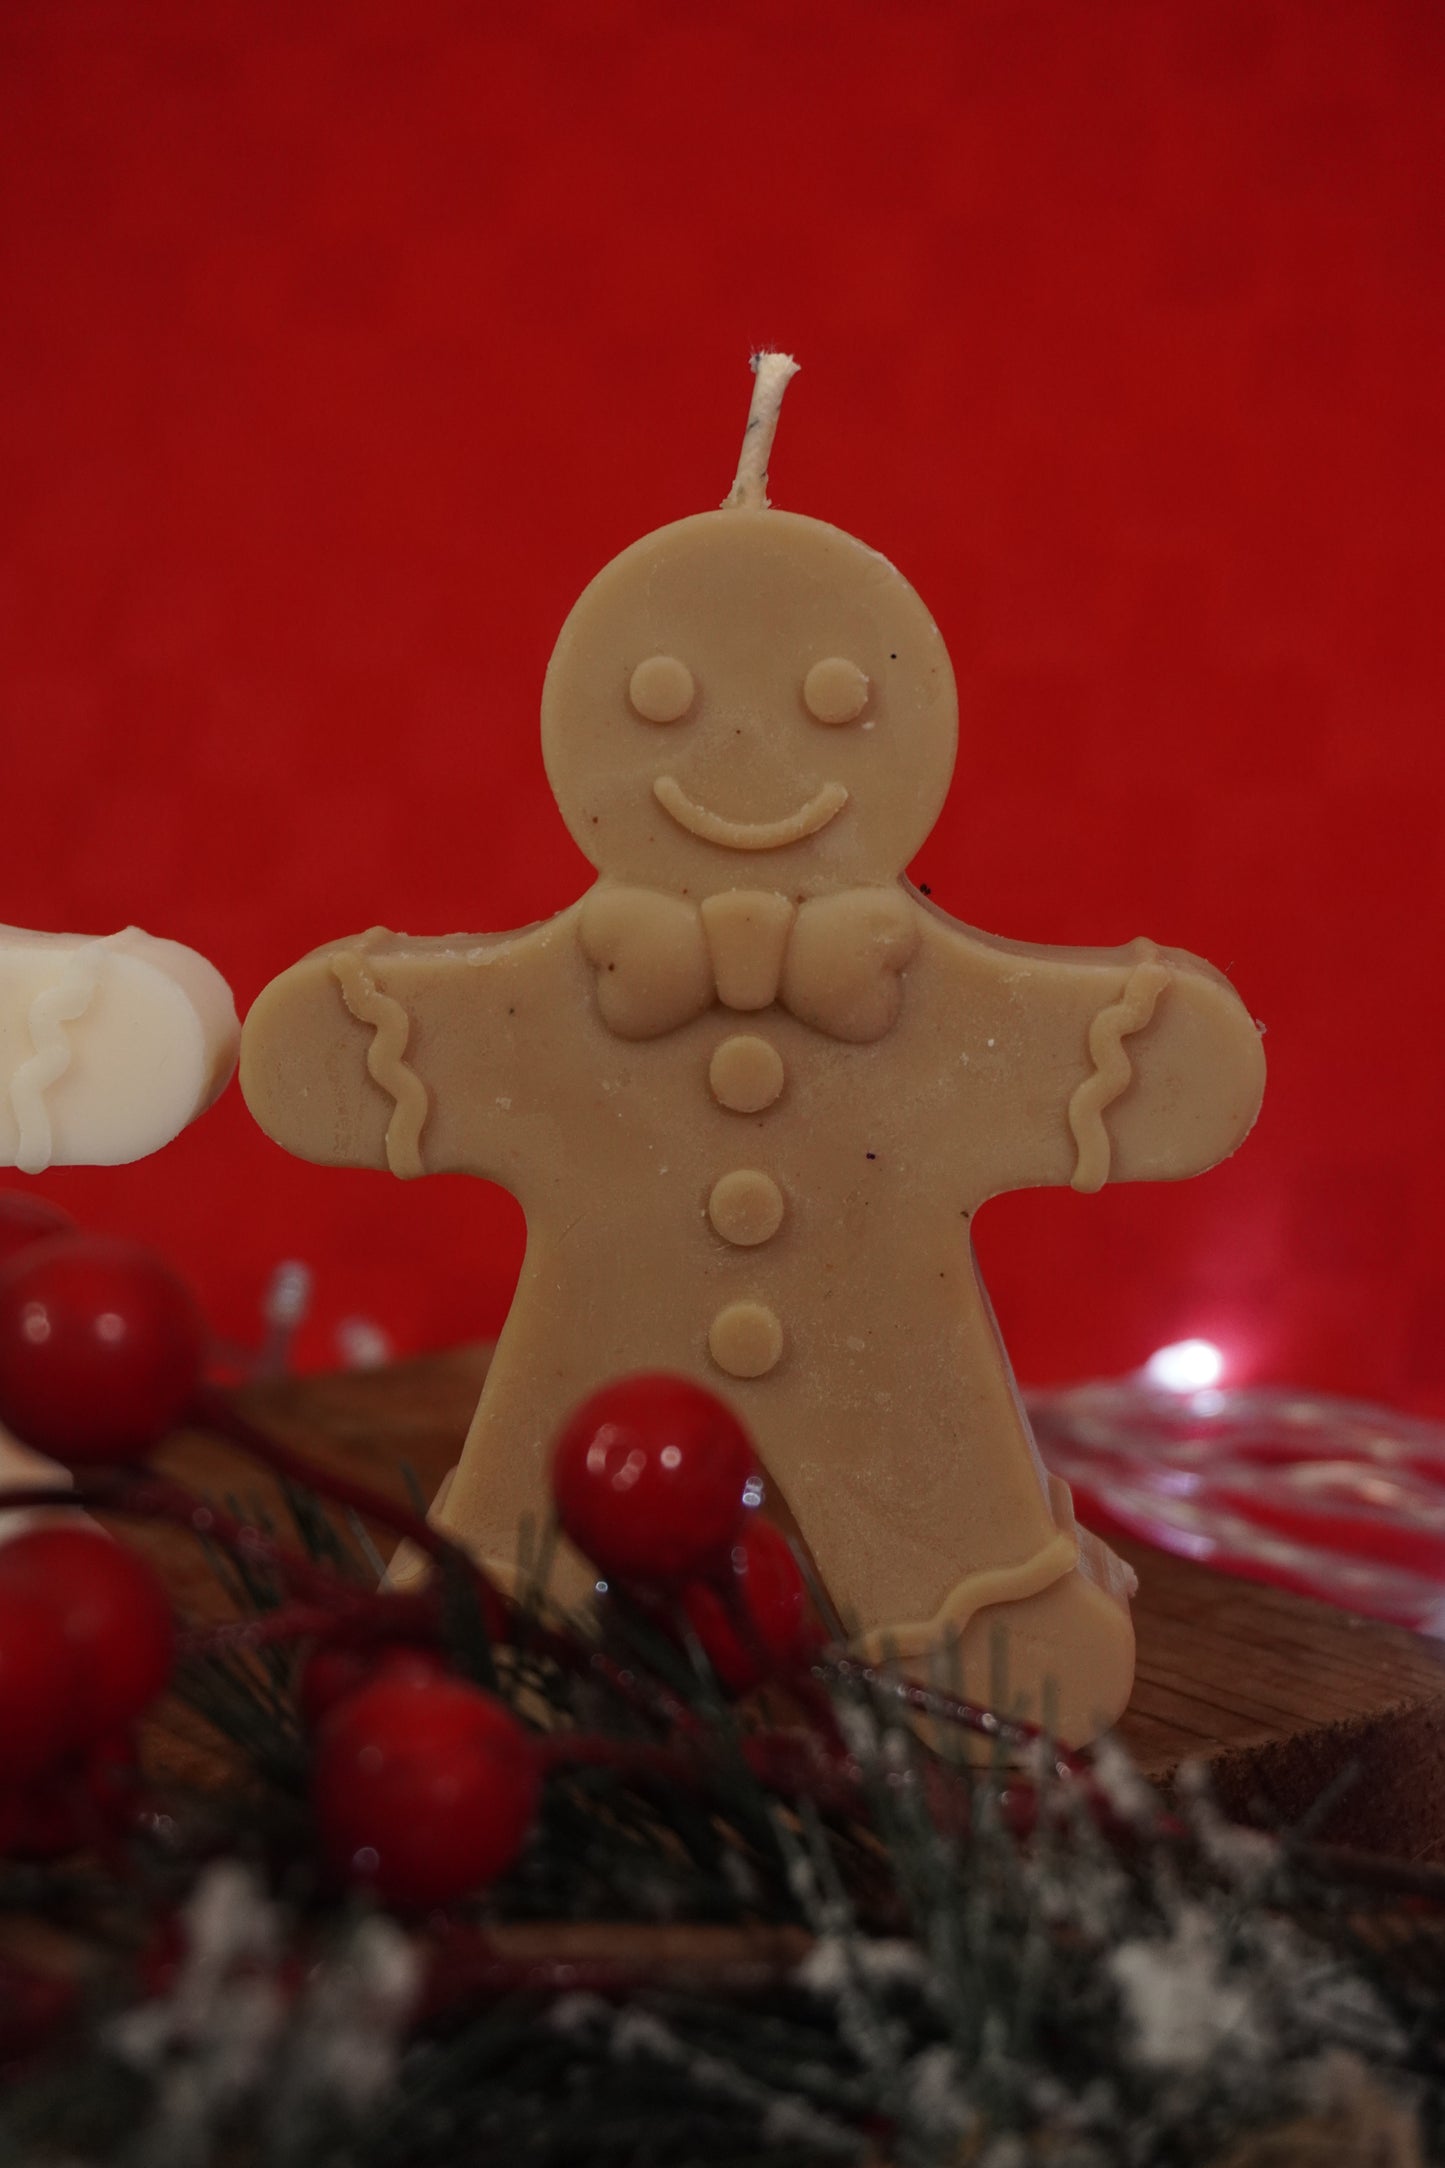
<point x="732" y="835"/>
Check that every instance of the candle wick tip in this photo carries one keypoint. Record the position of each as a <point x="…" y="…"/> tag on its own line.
<point x="772" y="374"/>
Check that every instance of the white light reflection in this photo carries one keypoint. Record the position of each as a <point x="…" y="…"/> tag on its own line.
<point x="1185" y="1366"/>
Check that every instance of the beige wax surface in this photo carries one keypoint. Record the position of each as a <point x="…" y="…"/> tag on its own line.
<point x="752" y="1088"/>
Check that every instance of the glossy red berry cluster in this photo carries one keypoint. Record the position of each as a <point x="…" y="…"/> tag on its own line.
<point x="100" y="1348"/>
<point x="424" y="1788"/>
<point x="656" y="1482"/>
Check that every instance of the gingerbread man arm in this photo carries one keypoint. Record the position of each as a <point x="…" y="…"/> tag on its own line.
<point x="399" y="1053"/>
<point x="1136" y="1064"/>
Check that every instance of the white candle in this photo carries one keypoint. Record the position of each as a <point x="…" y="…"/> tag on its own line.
<point x="109" y="1046"/>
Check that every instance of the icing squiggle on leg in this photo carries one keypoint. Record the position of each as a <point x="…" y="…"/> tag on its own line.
<point x="978" y="1592"/>
<point x="385" y="1060"/>
<point x="63" y="1003"/>
<point x="1112" y="1067"/>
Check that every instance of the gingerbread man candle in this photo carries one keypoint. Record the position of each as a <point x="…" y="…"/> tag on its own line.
<point x="752" y="1088"/>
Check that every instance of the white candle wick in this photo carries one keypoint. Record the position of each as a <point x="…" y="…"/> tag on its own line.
<point x="772" y="373"/>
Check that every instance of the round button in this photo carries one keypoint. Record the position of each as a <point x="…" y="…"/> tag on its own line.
<point x="746" y="1339"/>
<point x="746" y="1207"/>
<point x="835" y="690"/>
<point x="661" y="689"/>
<point x="746" y="1074"/>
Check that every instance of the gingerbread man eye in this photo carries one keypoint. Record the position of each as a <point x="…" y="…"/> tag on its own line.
<point x="835" y="690"/>
<point x="661" y="689"/>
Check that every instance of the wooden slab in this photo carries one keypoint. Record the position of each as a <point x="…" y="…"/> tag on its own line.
<point x="1282" y="1697"/>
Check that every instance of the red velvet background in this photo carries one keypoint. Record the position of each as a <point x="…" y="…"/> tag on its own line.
<point x="340" y="346"/>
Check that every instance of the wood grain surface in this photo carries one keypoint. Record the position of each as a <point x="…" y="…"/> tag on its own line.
<point x="1289" y="1702"/>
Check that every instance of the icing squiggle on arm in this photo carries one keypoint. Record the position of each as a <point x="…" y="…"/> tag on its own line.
<point x="63" y="1003"/>
<point x="385" y="1060"/>
<point x="1112" y="1068"/>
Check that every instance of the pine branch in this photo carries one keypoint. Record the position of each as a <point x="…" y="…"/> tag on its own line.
<point x="782" y="1933"/>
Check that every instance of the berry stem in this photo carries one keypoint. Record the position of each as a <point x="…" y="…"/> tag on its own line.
<point x="212" y="1410"/>
<point x="150" y="1498"/>
<point x="781" y="1761"/>
<point x="1009" y="1731"/>
<point x="373" y="1616"/>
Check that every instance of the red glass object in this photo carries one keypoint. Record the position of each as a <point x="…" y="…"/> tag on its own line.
<point x="648" y="1476"/>
<point x="755" y="1621"/>
<point x="26" y="1220"/>
<point x="101" y="1347"/>
<point x="423" y="1789"/>
<point x="115" y="1616"/>
<point x="1332" y="1498"/>
<point x="330" y="1674"/>
<point x="38" y="1682"/>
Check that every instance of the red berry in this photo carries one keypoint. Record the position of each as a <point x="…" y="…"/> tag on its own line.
<point x="25" y="1219"/>
<point x="423" y="1789"/>
<point x="38" y="1683"/>
<point x="648" y="1476"/>
<point x="756" y="1622"/>
<point x="114" y="1614"/>
<point x="100" y="1347"/>
<point x="330" y="1674"/>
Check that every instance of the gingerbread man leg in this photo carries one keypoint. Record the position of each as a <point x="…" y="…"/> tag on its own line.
<point x="965" y="1567"/>
<point x="1049" y="1639"/>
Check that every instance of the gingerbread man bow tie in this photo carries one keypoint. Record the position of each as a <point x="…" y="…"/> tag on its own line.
<point x="834" y="962"/>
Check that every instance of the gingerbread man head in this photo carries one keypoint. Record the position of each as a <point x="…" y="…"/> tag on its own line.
<point x="749" y="699"/>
